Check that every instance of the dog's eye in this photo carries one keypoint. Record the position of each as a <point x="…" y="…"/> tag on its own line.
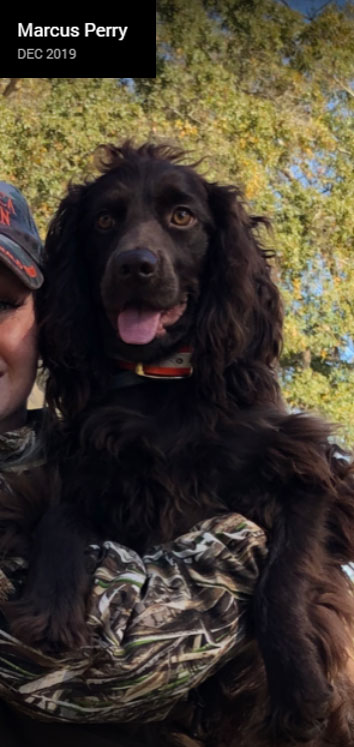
<point x="105" y="221"/>
<point x="183" y="217"/>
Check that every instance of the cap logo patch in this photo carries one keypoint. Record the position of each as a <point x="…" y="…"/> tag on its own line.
<point x="6" y="209"/>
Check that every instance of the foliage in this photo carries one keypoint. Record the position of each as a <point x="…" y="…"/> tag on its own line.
<point x="268" y="95"/>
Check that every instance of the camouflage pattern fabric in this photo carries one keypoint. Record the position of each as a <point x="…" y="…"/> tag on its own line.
<point x="160" y="625"/>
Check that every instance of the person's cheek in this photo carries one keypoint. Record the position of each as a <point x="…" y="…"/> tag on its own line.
<point x="22" y="348"/>
<point x="28" y="353"/>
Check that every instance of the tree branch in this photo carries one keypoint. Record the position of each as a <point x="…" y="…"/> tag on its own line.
<point x="316" y="12"/>
<point x="343" y="86"/>
<point x="187" y="115"/>
<point x="11" y="86"/>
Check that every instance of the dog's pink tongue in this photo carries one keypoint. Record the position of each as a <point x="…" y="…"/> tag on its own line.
<point x="138" y="326"/>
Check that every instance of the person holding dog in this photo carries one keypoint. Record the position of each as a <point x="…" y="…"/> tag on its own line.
<point x="159" y="625"/>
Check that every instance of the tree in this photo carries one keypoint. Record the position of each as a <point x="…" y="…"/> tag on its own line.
<point x="266" y="96"/>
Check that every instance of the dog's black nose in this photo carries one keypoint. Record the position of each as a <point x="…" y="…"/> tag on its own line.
<point x="137" y="263"/>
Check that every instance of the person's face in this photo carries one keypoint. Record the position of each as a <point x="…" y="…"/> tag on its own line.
<point x="18" y="349"/>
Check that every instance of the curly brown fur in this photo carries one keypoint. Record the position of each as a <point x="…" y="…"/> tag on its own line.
<point x="148" y="239"/>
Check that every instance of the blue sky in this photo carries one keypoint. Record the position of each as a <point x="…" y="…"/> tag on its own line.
<point x="306" y="6"/>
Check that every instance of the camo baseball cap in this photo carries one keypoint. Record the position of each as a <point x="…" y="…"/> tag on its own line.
<point x="20" y="246"/>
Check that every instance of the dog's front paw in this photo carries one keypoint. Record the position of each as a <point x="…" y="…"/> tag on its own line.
<point x="54" y="625"/>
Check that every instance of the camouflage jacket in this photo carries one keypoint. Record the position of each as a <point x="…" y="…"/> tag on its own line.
<point x="160" y="624"/>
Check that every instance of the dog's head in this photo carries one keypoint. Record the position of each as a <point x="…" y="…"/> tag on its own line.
<point x="145" y="258"/>
<point x="144" y="232"/>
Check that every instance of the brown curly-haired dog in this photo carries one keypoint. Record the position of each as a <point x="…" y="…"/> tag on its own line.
<point x="152" y="262"/>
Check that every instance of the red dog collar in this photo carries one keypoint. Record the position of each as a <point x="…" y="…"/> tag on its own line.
<point x="176" y="367"/>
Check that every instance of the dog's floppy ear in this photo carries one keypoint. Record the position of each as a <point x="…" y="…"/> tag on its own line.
<point x="67" y="326"/>
<point x="239" y="319"/>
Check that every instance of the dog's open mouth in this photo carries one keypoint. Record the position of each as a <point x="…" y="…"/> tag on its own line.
<point x="139" y="325"/>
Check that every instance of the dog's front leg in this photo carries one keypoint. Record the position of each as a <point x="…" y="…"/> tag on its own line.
<point x="299" y="691"/>
<point x="51" y="610"/>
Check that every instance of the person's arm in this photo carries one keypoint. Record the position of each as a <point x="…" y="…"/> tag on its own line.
<point x="160" y="625"/>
